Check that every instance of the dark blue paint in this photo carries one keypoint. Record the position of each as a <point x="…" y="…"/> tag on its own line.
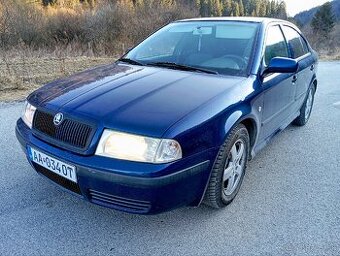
<point x="197" y="110"/>
<point x="282" y="65"/>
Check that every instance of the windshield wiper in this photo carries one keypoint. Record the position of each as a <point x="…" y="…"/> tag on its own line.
<point x="181" y="67"/>
<point x="130" y="61"/>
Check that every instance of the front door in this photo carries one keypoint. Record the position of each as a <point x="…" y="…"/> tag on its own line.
<point x="279" y="89"/>
<point x="300" y="52"/>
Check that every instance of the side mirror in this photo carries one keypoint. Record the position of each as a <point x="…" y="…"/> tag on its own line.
<point x="282" y="65"/>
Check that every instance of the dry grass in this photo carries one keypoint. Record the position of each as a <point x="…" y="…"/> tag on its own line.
<point x="330" y="54"/>
<point x="103" y="30"/>
<point x="20" y="76"/>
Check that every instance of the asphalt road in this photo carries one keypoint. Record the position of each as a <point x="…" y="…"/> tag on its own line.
<point x="289" y="203"/>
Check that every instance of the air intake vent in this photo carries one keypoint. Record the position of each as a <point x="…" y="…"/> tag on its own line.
<point x="69" y="132"/>
<point x="119" y="203"/>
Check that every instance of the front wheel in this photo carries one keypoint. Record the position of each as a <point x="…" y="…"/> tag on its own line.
<point x="306" y="109"/>
<point x="229" y="168"/>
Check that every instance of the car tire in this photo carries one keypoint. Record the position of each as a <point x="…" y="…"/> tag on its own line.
<point x="306" y="109"/>
<point x="221" y="191"/>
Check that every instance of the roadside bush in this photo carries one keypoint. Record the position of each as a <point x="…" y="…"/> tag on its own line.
<point x="103" y="28"/>
<point x="64" y="26"/>
<point x="29" y="25"/>
<point x="109" y="28"/>
<point x="150" y="16"/>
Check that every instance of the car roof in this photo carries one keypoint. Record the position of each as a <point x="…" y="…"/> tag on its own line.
<point x="261" y="20"/>
<point x="241" y="19"/>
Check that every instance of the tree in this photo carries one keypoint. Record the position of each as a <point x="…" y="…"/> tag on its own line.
<point x="241" y="8"/>
<point x="215" y="8"/>
<point x="48" y="2"/>
<point x="262" y="9"/>
<point x="235" y="9"/>
<point x="268" y="6"/>
<point x="226" y="7"/>
<point x="203" y="7"/>
<point x="273" y="8"/>
<point x="324" y="20"/>
<point x="210" y="7"/>
<point x="90" y="3"/>
<point x="282" y="10"/>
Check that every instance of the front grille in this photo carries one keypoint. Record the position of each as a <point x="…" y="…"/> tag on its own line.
<point x="119" y="203"/>
<point x="69" y="132"/>
<point x="70" y="185"/>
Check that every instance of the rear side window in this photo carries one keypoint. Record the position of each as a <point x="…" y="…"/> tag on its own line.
<point x="275" y="45"/>
<point x="296" y="43"/>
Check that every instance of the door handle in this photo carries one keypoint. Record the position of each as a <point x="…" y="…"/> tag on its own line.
<point x="294" y="79"/>
<point x="312" y="68"/>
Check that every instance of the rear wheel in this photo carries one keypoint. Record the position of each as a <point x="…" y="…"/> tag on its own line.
<point x="229" y="168"/>
<point x="306" y="109"/>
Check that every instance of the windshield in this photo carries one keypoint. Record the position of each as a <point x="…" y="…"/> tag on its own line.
<point x="222" y="47"/>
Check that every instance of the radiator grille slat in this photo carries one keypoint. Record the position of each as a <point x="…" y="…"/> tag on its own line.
<point x="69" y="132"/>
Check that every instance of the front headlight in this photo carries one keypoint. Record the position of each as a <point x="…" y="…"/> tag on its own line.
<point x="28" y="114"/>
<point x="138" y="148"/>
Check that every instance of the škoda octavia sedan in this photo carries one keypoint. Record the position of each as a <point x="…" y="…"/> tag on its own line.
<point x="174" y="121"/>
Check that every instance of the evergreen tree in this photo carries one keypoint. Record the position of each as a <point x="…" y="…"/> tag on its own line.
<point x="268" y="10"/>
<point x="282" y="10"/>
<point x="262" y="9"/>
<point x="324" y="20"/>
<point x="48" y="2"/>
<point x="215" y="8"/>
<point x="247" y="7"/>
<point x="272" y="8"/>
<point x="206" y="8"/>
<point x="241" y="8"/>
<point x="235" y="9"/>
<point x="252" y="7"/>
<point x="226" y="7"/>
<point x="203" y="7"/>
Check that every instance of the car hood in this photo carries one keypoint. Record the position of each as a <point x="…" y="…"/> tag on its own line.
<point x="136" y="99"/>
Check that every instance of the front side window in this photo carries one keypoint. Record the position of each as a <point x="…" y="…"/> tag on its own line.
<point x="297" y="44"/>
<point x="224" y="47"/>
<point x="275" y="44"/>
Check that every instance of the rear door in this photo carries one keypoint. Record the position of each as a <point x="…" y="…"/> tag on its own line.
<point x="279" y="89"/>
<point x="298" y="49"/>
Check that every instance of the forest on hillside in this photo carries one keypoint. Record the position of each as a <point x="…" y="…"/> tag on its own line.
<point x="306" y="17"/>
<point x="106" y="27"/>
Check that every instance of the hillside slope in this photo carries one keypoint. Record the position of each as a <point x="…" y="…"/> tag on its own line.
<point x="307" y="16"/>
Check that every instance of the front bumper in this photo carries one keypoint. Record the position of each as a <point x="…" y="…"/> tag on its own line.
<point x="128" y="186"/>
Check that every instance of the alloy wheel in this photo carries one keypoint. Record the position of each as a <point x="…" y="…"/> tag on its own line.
<point x="309" y="104"/>
<point x="234" y="168"/>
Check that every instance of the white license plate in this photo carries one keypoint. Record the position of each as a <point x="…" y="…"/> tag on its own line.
<point x="54" y="165"/>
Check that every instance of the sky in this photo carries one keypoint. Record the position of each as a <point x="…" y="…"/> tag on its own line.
<point x="296" y="6"/>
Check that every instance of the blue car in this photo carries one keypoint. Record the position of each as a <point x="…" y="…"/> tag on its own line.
<point x="174" y="121"/>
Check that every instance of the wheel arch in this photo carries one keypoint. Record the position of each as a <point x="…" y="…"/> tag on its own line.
<point x="251" y="126"/>
<point x="235" y="119"/>
<point x="246" y="115"/>
<point x="249" y="120"/>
